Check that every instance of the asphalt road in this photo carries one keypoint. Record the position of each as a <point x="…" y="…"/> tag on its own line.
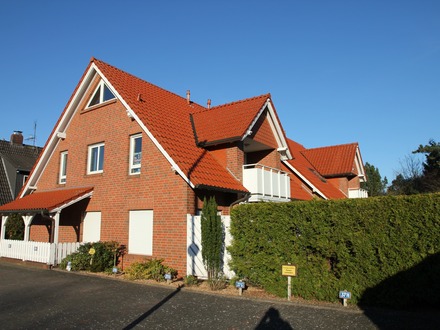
<point x="32" y="298"/>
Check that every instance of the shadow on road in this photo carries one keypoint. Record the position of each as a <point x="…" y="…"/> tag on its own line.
<point x="273" y="320"/>
<point x="152" y="310"/>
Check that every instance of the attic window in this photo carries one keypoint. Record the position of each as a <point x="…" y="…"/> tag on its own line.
<point x="101" y="95"/>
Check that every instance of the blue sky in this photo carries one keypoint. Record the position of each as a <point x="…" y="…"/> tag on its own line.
<point x="338" y="71"/>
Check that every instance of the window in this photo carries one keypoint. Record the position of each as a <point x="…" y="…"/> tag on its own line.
<point x="63" y="166"/>
<point x="140" y="232"/>
<point x="135" y="154"/>
<point x="101" y="95"/>
<point x="95" y="158"/>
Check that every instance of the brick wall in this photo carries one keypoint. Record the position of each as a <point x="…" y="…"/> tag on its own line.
<point x="116" y="192"/>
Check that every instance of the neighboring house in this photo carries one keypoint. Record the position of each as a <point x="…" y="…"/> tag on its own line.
<point x="131" y="162"/>
<point x="332" y="172"/>
<point x="16" y="162"/>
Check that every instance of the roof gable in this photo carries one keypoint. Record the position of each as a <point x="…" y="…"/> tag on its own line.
<point x="241" y="120"/>
<point x="229" y="122"/>
<point x="333" y="161"/>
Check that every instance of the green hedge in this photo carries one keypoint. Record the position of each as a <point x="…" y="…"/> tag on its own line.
<point x="352" y="244"/>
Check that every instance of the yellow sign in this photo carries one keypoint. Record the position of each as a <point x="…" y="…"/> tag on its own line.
<point x="288" y="270"/>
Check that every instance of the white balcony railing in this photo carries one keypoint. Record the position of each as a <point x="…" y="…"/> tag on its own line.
<point x="266" y="183"/>
<point x="357" y="193"/>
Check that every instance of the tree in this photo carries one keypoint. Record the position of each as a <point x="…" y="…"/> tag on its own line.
<point x="402" y="185"/>
<point x="374" y="184"/>
<point x="408" y="180"/>
<point x="14" y="227"/>
<point x="212" y="241"/>
<point x="431" y="167"/>
<point x="417" y="177"/>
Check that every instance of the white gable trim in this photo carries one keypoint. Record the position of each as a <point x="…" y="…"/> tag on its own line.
<point x="274" y="124"/>
<point x="359" y="165"/>
<point x="314" y="189"/>
<point x="63" y="123"/>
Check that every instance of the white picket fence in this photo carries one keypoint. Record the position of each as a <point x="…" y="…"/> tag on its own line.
<point x="194" y="248"/>
<point x="48" y="253"/>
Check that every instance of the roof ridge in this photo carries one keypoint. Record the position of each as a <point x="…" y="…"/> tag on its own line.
<point x="333" y="146"/>
<point x="94" y="59"/>
<point x="241" y="101"/>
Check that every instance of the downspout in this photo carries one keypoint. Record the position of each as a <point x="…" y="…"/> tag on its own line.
<point x="243" y="199"/>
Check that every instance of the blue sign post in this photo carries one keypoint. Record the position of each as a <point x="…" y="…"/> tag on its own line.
<point x="344" y="295"/>
<point x="240" y="285"/>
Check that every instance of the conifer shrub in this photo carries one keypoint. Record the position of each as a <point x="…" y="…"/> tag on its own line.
<point x="212" y="244"/>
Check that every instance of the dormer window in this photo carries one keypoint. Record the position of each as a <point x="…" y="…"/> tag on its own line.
<point x="102" y="94"/>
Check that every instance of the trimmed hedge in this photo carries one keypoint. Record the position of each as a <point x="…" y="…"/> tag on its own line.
<point x="352" y="244"/>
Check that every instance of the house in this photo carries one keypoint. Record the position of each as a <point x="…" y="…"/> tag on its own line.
<point x="16" y="162"/>
<point x="131" y="162"/>
<point x="332" y="172"/>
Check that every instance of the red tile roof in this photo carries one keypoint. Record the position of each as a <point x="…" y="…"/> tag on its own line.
<point x="333" y="160"/>
<point x="45" y="200"/>
<point x="167" y="116"/>
<point x="309" y="172"/>
<point x="228" y="122"/>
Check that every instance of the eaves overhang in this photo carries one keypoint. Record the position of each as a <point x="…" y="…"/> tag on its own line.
<point x="208" y="187"/>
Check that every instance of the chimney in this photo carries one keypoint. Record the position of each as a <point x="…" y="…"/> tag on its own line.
<point x="17" y="138"/>
<point x="188" y="96"/>
<point x="209" y="103"/>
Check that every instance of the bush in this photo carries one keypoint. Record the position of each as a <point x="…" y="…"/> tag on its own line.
<point x="351" y="244"/>
<point x="105" y="257"/>
<point x="218" y="282"/>
<point x="190" y="280"/>
<point x="152" y="269"/>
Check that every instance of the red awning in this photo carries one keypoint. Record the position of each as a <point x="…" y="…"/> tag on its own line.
<point x="47" y="201"/>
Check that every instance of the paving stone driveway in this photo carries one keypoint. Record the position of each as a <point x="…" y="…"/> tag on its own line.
<point x="32" y="298"/>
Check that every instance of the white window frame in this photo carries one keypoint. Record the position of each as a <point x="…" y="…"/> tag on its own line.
<point x="98" y="159"/>
<point x="63" y="167"/>
<point x="101" y="88"/>
<point x="135" y="168"/>
<point x="140" y="232"/>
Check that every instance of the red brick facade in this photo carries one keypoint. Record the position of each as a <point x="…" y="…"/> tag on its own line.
<point x="116" y="192"/>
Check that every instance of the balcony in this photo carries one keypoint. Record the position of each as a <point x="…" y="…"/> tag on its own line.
<point x="266" y="183"/>
<point x="357" y="193"/>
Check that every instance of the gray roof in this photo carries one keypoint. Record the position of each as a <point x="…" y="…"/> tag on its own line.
<point x="14" y="158"/>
